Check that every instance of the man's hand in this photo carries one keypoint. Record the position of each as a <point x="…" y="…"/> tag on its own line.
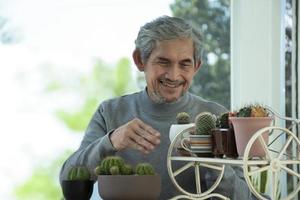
<point x="136" y="135"/>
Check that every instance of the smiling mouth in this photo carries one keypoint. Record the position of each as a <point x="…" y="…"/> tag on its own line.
<point x="170" y="84"/>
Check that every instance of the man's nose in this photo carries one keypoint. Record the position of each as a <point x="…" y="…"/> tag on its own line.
<point x="172" y="73"/>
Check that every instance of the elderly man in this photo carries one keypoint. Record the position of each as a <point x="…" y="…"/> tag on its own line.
<point x="136" y="126"/>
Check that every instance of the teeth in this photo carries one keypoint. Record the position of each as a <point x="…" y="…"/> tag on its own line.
<point x="168" y="84"/>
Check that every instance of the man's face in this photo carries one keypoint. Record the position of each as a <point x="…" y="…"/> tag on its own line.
<point x="170" y="69"/>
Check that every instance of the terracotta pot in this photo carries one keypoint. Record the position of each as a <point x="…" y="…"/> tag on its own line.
<point x="129" y="187"/>
<point x="245" y="128"/>
<point x="77" y="190"/>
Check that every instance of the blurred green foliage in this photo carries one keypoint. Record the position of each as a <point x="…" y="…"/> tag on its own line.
<point x="43" y="183"/>
<point x="212" y="18"/>
<point x="101" y="83"/>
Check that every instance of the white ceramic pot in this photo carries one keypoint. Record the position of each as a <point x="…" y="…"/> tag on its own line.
<point x="178" y="128"/>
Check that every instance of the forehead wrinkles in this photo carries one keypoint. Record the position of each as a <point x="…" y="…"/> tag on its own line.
<point x="177" y="49"/>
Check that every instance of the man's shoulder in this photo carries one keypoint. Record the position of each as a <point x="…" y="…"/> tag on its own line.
<point x="121" y="100"/>
<point x="208" y="105"/>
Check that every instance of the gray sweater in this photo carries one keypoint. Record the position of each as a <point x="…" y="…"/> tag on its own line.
<point x="115" y="112"/>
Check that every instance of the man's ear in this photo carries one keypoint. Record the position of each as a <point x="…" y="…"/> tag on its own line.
<point x="197" y="66"/>
<point x="136" y="55"/>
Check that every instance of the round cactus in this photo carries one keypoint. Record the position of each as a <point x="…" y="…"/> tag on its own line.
<point x="183" y="118"/>
<point x="79" y="173"/>
<point x="223" y="120"/>
<point x="114" y="170"/>
<point x="107" y="163"/>
<point x="144" y="169"/>
<point x="205" y="122"/>
<point x="245" y="111"/>
<point x="99" y="170"/>
<point x="126" y="170"/>
<point x="258" y="111"/>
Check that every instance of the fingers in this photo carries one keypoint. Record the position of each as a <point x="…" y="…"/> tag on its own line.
<point x="148" y="128"/>
<point x="137" y="135"/>
<point x="144" y="136"/>
<point x="134" y="145"/>
<point x="143" y="141"/>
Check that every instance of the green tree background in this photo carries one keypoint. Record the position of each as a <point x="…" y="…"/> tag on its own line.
<point x="212" y="18"/>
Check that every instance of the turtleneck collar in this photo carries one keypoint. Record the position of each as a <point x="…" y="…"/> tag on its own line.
<point x="159" y="109"/>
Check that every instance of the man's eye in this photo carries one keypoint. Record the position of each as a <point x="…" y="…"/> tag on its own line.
<point x="163" y="62"/>
<point x="185" y="65"/>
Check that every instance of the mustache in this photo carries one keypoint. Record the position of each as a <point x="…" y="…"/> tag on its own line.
<point x="172" y="82"/>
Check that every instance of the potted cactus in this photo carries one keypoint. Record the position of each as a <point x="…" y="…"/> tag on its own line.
<point x="223" y="137"/>
<point x="120" y="181"/>
<point x="78" y="186"/>
<point x="183" y="121"/>
<point x="246" y="121"/>
<point x="201" y="142"/>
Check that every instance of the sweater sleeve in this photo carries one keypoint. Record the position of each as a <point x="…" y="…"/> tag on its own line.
<point x="94" y="146"/>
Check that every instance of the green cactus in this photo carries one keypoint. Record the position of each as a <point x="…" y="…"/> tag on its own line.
<point x="79" y="173"/>
<point x="205" y="122"/>
<point x="223" y="120"/>
<point x="126" y="170"/>
<point x="144" y="169"/>
<point x="114" y="170"/>
<point x="183" y="118"/>
<point x="107" y="163"/>
<point x="245" y="111"/>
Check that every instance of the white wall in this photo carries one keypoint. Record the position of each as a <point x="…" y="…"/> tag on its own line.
<point x="257" y="55"/>
<point x="257" y="72"/>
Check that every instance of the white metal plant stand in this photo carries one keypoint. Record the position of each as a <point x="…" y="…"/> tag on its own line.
<point x="274" y="162"/>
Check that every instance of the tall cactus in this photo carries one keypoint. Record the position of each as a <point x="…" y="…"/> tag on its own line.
<point x="205" y="122"/>
<point x="144" y="169"/>
<point x="79" y="173"/>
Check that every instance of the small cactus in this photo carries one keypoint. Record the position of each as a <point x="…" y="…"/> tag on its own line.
<point x="259" y="111"/>
<point x="244" y="112"/>
<point x="107" y="163"/>
<point x="79" y="173"/>
<point x="183" y="118"/>
<point x="126" y="170"/>
<point x="114" y="170"/>
<point x="144" y="169"/>
<point x="253" y="110"/>
<point x="223" y="120"/>
<point x="205" y="122"/>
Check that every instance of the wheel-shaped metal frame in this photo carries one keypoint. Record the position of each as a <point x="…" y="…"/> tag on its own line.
<point x="271" y="162"/>
<point x="192" y="163"/>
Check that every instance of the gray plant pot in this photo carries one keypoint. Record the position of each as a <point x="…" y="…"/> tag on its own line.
<point x="129" y="187"/>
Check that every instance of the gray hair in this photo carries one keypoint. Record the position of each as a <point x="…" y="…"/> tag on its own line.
<point x="167" y="28"/>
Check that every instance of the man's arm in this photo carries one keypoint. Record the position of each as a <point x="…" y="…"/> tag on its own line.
<point x="94" y="146"/>
<point x="99" y="142"/>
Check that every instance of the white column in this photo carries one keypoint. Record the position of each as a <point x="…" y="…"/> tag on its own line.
<point x="257" y="57"/>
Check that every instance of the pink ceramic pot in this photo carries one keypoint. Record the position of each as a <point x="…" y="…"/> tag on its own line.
<point x="245" y="128"/>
